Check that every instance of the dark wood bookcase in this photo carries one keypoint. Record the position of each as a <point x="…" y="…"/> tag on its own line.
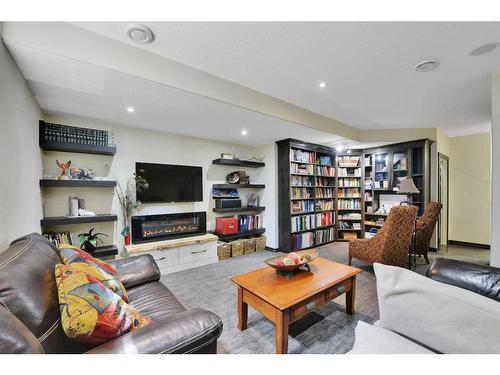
<point x="310" y="183"/>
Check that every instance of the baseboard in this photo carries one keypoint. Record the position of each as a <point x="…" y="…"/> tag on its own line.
<point x="272" y="249"/>
<point x="469" y="244"/>
<point x="433" y="249"/>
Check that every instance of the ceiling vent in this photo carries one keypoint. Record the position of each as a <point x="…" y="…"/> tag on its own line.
<point x="427" y="65"/>
<point x="140" y="34"/>
<point x="485" y="48"/>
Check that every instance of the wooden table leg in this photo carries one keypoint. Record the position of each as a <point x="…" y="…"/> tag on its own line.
<point x="282" y="323"/>
<point x="350" y="296"/>
<point x="242" y="311"/>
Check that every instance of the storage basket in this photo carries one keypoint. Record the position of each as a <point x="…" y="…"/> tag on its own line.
<point x="260" y="243"/>
<point x="249" y="246"/>
<point x="223" y="250"/>
<point x="237" y="248"/>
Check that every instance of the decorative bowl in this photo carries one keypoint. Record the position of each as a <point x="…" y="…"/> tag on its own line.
<point x="300" y="259"/>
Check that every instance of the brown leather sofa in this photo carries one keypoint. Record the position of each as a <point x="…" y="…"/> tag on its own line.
<point x="29" y="311"/>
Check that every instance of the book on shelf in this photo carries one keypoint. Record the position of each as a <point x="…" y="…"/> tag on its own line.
<point x="302" y="240"/>
<point x="249" y="222"/>
<point x="349" y="204"/>
<point x="302" y="206"/>
<point x="324" y="218"/>
<point x="350" y="216"/>
<point x="349" y="193"/>
<point x="305" y="169"/>
<point x="301" y="180"/>
<point x="323" y="205"/>
<point x="301" y="156"/>
<point x="58" y="238"/>
<point x="349" y="182"/>
<point x="71" y="134"/>
<point x="302" y="193"/>
<point x="324" y="235"/>
<point x="324" y="160"/>
<point x="343" y="172"/>
<point x="324" y="193"/>
<point x="324" y="181"/>
<point x="348" y="161"/>
<point x="325" y="171"/>
<point x="302" y="222"/>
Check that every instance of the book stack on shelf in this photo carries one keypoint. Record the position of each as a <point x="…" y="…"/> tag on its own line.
<point x="349" y="195"/>
<point x="303" y="222"/>
<point x="58" y="238"/>
<point x="249" y="222"/>
<point x="71" y="134"/>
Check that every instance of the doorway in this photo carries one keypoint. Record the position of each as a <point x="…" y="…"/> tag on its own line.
<point x="443" y="197"/>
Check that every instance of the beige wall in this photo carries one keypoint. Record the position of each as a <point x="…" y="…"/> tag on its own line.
<point x="470" y="184"/>
<point x="20" y="161"/>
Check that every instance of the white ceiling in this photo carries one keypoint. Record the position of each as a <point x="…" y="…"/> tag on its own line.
<point x="66" y="86"/>
<point x="368" y="67"/>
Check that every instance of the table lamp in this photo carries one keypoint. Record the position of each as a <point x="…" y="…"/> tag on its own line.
<point x="408" y="187"/>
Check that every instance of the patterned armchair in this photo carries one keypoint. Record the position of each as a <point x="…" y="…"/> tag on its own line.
<point x="390" y="245"/>
<point x="425" y="227"/>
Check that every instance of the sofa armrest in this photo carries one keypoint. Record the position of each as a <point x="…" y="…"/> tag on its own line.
<point x="185" y="332"/>
<point x="136" y="270"/>
<point x="477" y="278"/>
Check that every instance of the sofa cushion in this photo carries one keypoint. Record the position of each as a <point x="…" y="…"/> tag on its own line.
<point x="374" y="340"/>
<point x="443" y="317"/>
<point x="71" y="254"/>
<point x="154" y="300"/>
<point x="16" y="338"/>
<point x="90" y="312"/>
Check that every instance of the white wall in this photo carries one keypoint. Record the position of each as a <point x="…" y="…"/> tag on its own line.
<point x="158" y="147"/>
<point x="495" y="170"/>
<point x="20" y="161"/>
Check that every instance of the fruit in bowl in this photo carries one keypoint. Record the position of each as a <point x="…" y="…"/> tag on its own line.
<point x="293" y="260"/>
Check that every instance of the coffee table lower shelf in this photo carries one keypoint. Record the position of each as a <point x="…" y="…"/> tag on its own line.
<point x="283" y="318"/>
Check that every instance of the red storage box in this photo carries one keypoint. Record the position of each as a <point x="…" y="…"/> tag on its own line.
<point x="226" y="225"/>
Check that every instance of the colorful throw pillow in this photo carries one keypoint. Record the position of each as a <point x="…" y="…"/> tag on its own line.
<point x="110" y="281"/>
<point x="71" y="254"/>
<point x="90" y="312"/>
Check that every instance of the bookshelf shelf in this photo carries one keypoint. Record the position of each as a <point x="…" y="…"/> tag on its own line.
<point x="247" y="233"/>
<point x="239" y="186"/>
<point x="238" y="209"/>
<point x="64" y="220"/>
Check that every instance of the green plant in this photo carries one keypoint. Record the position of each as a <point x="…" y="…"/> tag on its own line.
<point x="89" y="241"/>
<point x="128" y="202"/>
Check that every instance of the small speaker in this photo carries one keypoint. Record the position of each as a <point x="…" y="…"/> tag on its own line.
<point x="227" y="203"/>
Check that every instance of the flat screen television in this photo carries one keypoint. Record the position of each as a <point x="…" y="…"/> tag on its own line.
<point x="170" y="183"/>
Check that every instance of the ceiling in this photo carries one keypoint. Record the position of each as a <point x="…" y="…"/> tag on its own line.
<point x="368" y="66"/>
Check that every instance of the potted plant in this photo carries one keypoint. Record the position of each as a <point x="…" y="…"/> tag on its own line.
<point x="128" y="202"/>
<point x="89" y="241"/>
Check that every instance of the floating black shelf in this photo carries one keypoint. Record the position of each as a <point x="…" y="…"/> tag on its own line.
<point x="79" y="148"/>
<point x="241" y="234"/>
<point x="238" y="163"/>
<point x="64" y="220"/>
<point x="105" y="251"/>
<point x="77" y="183"/>
<point x="239" y="209"/>
<point x="239" y="186"/>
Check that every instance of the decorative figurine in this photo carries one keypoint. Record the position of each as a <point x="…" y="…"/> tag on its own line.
<point x="63" y="167"/>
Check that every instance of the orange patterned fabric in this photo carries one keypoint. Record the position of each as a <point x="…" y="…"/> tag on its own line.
<point x="391" y="244"/>
<point x="425" y="227"/>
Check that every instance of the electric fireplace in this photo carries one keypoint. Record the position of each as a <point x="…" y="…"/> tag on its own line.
<point x="148" y="228"/>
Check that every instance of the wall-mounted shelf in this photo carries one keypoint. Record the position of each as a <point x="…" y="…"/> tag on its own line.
<point x="79" y="148"/>
<point x="247" y="233"/>
<point x="238" y="163"/>
<point x="239" y="186"/>
<point x="238" y="209"/>
<point x="64" y="220"/>
<point x="77" y="183"/>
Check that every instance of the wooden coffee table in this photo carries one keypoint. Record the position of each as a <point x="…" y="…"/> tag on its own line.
<point x="284" y="301"/>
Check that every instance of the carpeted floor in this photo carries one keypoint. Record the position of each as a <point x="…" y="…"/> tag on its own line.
<point x="328" y="330"/>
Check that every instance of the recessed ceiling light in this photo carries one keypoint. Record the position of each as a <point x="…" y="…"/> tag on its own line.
<point x="130" y="109"/>
<point x="348" y="151"/>
<point x="427" y="65"/>
<point x="485" y="48"/>
<point x="322" y="85"/>
<point x="140" y="34"/>
<point x="244" y="132"/>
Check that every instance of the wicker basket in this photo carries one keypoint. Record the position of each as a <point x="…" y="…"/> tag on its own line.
<point x="237" y="248"/>
<point x="250" y="246"/>
<point x="223" y="250"/>
<point x="260" y="243"/>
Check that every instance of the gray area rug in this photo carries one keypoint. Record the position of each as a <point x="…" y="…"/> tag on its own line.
<point x="328" y="330"/>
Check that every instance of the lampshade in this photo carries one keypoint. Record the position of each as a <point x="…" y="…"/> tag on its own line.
<point x="408" y="187"/>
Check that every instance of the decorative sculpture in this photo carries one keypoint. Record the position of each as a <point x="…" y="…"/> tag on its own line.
<point x="63" y="167"/>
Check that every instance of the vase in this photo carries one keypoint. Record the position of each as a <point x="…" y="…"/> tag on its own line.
<point x="127" y="239"/>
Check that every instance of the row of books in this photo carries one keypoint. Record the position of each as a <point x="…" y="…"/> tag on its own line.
<point x="349" y="182"/>
<point x="349" y="193"/>
<point x="301" y="180"/>
<point x="350" y="216"/>
<point x="302" y="156"/>
<point x="349" y="204"/>
<point x="72" y="134"/>
<point x="324" y="160"/>
<point x="305" y="169"/>
<point x="302" y="206"/>
<point x="322" y="205"/>
<point x="324" y="181"/>
<point x="324" y="235"/>
<point x="61" y="237"/>
<point x="302" y="193"/>
<point x="303" y="222"/>
<point x="325" y="171"/>
<point x="302" y="240"/>
<point x="324" y="193"/>
<point x="324" y="219"/>
<point x="348" y="161"/>
<point x="349" y="225"/>
<point x="249" y="222"/>
<point x="349" y="172"/>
